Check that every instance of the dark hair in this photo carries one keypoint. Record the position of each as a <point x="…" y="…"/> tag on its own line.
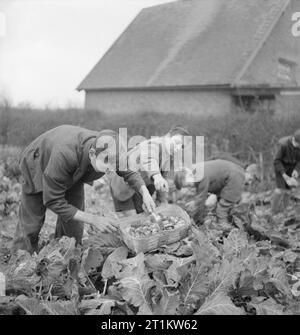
<point x="102" y="147"/>
<point x="179" y="130"/>
<point x="106" y="132"/>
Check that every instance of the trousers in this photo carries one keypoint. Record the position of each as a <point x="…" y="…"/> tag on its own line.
<point x="223" y="210"/>
<point x="280" y="200"/>
<point x="32" y="214"/>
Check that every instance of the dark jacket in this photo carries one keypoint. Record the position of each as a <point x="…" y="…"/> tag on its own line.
<point x="226" y="156"/>
<point x="223" y="178"/>
<point x="287" y="157"/>
<point x="59" y="159"/>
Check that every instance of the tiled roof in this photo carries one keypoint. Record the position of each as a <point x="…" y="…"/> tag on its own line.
<point x="186" y="43"/>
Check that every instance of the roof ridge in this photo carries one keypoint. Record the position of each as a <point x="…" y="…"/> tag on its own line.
<point x="260" y="37"/>
<point x="163" y="4"/>
<point x="189" y="45"/>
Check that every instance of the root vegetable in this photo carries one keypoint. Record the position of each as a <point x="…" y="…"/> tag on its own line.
<point x="149" y="227"/>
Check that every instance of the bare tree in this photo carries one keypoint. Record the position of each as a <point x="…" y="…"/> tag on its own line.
<point x="5" y="108"/>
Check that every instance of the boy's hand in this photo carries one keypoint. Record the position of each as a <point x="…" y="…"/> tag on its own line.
<point x="286" y="177"/>
<point x="160" y="183"/>
<point x="211" y="201"/>
<point x="292" y="182"/>
<point x="148" y="202"/>
<point x="190" y="206"/>
<point x="295" y="174"/>
<point x="105" y="225"/>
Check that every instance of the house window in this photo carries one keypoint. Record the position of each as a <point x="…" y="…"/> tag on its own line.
<point x="286" y="70"/>
<point x="254" y="103"/>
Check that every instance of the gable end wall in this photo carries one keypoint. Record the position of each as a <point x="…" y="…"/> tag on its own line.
<point x="195" y="102"/>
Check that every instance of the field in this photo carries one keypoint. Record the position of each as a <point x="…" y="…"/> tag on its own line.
<point x="255" y="270"/>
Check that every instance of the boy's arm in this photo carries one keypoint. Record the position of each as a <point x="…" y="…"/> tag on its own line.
<point x="149" y="154"/>
<point x="297" y="168"/>
<point x="278" y="165"/>
<point x="162" y="196"/>
<point x="202" y="193"/>
<point x="133" y="179"/>
<point x="57" y="178"/>
<point x="149" y="158"/>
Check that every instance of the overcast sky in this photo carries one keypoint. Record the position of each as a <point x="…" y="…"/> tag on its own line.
<point x="48" y="46"/>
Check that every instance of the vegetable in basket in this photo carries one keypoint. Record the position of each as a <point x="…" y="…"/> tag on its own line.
<point x="150" y="226"/>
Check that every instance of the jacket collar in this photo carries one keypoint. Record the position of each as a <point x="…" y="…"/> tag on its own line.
<point x="84" y="163"/>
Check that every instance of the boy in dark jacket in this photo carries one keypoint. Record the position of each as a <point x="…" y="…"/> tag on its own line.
<point x="286" y="166"/>
<point x="54" y="168"/>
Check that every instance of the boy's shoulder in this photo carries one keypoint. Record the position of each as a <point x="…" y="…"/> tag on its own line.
<point x="284" y="141"/>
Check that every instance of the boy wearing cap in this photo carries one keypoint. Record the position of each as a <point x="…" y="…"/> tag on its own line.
<point x="154" y="159"/>
<point x="223" y="178"/>
<point x="286" y="166"/>
<point x="54" y="168"/>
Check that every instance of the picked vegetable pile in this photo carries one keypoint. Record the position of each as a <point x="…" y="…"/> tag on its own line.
<point x="150" y="226"/>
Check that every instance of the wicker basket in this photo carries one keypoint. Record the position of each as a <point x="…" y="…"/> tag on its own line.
<point x="157" y="240"/>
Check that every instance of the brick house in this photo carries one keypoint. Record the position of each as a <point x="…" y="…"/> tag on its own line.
<point x="208" y="57"/>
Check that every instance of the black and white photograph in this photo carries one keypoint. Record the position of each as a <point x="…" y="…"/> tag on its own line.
<point x="149" y="160"/>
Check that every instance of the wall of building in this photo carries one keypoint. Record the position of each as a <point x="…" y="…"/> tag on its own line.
<point x="288" y="103"/>
<point x="196" y="102"/>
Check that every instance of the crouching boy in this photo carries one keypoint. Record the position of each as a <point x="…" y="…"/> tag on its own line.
<point x="223" y="178"/>
<point x="286" y="166"/>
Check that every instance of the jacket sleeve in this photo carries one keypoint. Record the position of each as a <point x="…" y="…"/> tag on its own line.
<point x="133" y="179"/>
<point x="57" y="178"/>
<point x="227" y="157"/>
<point x="297" y="167"/>
<point x="202" y="193"/>
<point x="278" y="165"/>
<point x="163" y="196"/>
<point x="149" y="154"/>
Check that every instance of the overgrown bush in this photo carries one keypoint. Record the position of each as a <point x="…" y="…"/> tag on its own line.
<point x="249" y="137"/>
<point x="9" y="161"/>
